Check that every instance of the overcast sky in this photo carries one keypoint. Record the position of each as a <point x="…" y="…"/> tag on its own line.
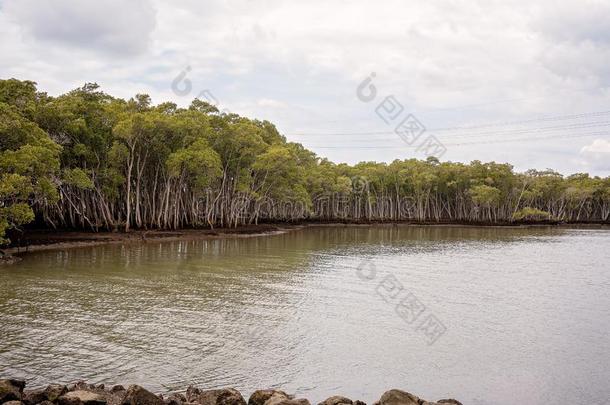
<point x="525" y="82"/>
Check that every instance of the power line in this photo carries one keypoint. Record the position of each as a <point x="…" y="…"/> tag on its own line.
<point x="571" y="127"/>
<point x="489" y="102"/>
<point x="584" y="125"/>
<point x="462" y="128"/>
<point x="497" y="134"/>
<point x="599" y="133"/>
<point x="521" y="122"/>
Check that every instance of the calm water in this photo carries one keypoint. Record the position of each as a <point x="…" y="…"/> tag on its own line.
<point x="526" y="314"/>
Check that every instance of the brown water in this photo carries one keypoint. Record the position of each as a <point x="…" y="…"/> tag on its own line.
<point x="519" y="315"/>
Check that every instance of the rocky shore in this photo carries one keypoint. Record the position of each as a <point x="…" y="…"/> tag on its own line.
<point x="13" y="392"/>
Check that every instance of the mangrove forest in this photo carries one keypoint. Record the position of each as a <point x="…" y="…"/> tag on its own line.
<point x="87" y="160"/>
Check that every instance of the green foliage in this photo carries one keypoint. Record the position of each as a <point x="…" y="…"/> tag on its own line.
<point x="78" y="178"/>
<point x="15" y="187"/>
<point x="203" y="106"/>
<point x="531" y="214"/>
<point x="87" y="159"/>
<point x="22" y="95"/>
<point x="29" y="158"/>
<point x="13" y="216"/>
<point x="198" y="163"/>
<point x="485" y="195"/>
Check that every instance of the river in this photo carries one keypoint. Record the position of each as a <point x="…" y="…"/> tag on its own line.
<point x="486" y="315"/>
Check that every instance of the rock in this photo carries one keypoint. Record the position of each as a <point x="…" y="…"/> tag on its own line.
<point x="280" y="399"/>
<point x="137" y="395"/>
<point x="13" y="403"/>
<point x="336" y="400"/>
<point x="261" y="396"/>
<point x="358" y="402"/>
<point x="192" y="393"/>
<point x="79" y="385"/>
<point x="54" y="391"/>
<point x="35" y="396"/>
<point x="179" y="396"/>
<point x="117" y="388"/>
<point x="50" y="394"/>
<point x="18" y="383"/>
<point x="81" y="397"/>
<point x="398" y="397"/>
<point x="11" y="390"/>
<point x="449" y="401"/>
<point x="175" y="399"/>
<point x="224" y="396"/>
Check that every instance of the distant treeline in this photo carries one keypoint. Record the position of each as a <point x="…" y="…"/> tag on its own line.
<point x="88" y="160"/>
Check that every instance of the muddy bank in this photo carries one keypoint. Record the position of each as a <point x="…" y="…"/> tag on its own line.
<point x="13" y="392"/>
<point x="37" y="240"/>
<point x="48" y="239"/>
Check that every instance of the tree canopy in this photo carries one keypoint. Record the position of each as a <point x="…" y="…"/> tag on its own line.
<point x="88" y="160"/>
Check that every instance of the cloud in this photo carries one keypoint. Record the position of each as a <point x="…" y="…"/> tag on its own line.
<point x="596" y="155"/>
<point x="598" y="146"/>
<point x="113" y="26"/>
<point x="452" y="64"/>
<point x="576" y="40"/>
<point x="585" y="21"/>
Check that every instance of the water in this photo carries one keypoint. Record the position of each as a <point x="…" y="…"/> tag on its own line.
<point x="526" y="314"/>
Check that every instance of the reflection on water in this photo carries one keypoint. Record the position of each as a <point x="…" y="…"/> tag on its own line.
<point x="526" y="310"/>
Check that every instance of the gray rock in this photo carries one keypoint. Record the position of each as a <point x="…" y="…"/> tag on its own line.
<point x="261" y="396"/>
<point x="279" y="399"/>
<point x="224" y="396"/>
<point x="11" y="390"/>
<point x="81" y="397"/>
<point x="137" y="395"/>
<point x="336" y="400"/>
<point x="398" y="397"/>
<point x="117" y="388"/>
<point x="449" y="401"/>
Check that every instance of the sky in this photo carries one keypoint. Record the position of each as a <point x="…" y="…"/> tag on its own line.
<point x="523" y="82"/>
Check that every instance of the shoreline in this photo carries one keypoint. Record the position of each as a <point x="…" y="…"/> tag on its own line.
<point x="13" y="392"/>
<point x="37" y="240"/>
<point x="43" y="240"/>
